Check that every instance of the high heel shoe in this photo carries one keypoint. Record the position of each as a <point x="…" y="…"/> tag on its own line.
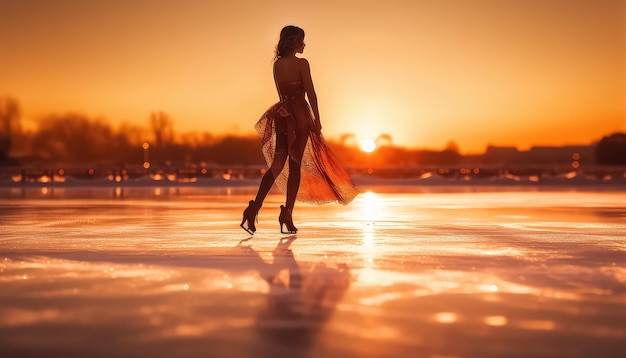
<point x="286" y="219"/>
<point x="250" y="215"/>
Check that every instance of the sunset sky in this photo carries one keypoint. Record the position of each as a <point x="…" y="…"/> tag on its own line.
<point x="479" y="72"/>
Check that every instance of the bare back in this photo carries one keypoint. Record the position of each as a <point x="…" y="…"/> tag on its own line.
<point x="288" y="69"/>
<point x="293" y="69"/>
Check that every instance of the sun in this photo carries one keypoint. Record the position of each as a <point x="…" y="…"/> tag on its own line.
<point x="367" y="145"/>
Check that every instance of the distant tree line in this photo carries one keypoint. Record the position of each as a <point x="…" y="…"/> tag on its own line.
<point x="77" y="139"/>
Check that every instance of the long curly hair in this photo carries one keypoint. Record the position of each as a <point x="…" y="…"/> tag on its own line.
<point x="291" y="37"/>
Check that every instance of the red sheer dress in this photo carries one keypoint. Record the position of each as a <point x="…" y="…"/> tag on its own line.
<point x="283" y="128"/>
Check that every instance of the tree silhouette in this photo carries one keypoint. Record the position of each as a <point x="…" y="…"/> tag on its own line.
<point x="234" y="150"/>
<point x="135" y="135"/>
<point x="9" y="126"/>
<point x="162" y="128"/>
<point x="384" y="139"/>
<point x="452" y="146"/>
<point x="611" y="150"/>
<point x="73" y="138"/>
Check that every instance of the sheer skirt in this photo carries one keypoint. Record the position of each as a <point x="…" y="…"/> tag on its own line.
<point x="284" y="128"/>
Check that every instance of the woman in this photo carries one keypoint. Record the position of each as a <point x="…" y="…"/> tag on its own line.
<point x="291" y="129"/>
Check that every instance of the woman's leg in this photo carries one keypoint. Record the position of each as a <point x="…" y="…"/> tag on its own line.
<point x="280" y="158"/>
<point x="295" y="161"/>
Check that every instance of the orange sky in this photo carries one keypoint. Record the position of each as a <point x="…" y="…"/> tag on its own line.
<point x="502" y="72"/>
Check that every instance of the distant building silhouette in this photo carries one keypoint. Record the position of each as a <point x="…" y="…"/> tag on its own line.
<point x="500" y="156"/>
<point x="538" y="155"/>
<point x="611" y="150"/>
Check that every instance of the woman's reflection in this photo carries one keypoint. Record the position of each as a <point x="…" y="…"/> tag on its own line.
<point x="301" y="297"/>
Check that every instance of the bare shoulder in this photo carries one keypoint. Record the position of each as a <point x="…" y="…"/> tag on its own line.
<point x="303" y="64"/>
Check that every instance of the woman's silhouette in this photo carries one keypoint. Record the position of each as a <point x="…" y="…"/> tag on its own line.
<point x="291" y="129"/>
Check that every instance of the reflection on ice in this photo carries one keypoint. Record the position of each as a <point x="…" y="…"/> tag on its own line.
<point x="301" y="298"/>
<point x="372" y="205"/>
<point x="446" y="317"/>
<point x="495" y="321"/>
<point x="164" y="274"/>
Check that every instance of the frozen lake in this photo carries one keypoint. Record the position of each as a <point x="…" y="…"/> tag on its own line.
<point x="400" y="272"/>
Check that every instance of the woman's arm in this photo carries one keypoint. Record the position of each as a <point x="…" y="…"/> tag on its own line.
<point x="280" y="96"/>
<point x="307" y="82"/>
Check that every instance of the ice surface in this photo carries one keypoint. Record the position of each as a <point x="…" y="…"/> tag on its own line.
<point x="400" y="272"/>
